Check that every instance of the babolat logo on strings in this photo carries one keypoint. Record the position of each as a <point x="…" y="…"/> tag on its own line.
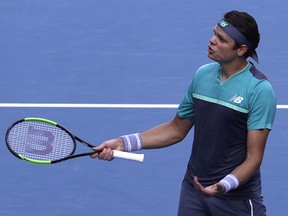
<point x="223" y="23"/>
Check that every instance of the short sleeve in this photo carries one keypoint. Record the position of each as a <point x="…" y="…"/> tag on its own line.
<point x="263" y="107"/>
<point x="186" y="107"/>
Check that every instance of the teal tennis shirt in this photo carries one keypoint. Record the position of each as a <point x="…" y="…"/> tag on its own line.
<point x="223" y="112"/>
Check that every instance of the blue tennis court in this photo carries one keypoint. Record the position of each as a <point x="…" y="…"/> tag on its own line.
<point x="129" y="52"/>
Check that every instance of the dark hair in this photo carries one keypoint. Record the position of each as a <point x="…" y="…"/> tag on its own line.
<point x="247" y="25"/>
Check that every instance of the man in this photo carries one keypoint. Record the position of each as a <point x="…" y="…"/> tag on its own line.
<point x="232" y="107"/>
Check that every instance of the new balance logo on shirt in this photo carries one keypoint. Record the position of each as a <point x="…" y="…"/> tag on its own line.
<point x="236" y="99"/>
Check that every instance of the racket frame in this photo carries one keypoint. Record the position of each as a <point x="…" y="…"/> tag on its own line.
<point x="118" y="154"/>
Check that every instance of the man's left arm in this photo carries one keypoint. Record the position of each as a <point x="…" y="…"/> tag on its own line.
<point x="256" y="142"/>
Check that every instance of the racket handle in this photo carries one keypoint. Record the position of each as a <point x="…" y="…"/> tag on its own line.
<point x="128" y="156"/>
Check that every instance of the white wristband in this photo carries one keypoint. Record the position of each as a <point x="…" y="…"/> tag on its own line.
<point x="132" y="142"/>
<point x="230" y="182"/>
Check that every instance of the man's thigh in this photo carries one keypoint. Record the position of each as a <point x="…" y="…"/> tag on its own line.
<point x="235" y="207"/>
<point x="192" y="203"/>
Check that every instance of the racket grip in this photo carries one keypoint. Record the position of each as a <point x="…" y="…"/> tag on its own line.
<point x="128" y="156"/>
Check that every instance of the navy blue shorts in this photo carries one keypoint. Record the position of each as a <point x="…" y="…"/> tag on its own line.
<point x="192" y="203"/>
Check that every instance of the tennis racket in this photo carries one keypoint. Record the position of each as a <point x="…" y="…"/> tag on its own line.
<point x="43" y="141"/>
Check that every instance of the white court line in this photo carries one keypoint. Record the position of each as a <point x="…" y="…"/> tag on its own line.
<point x="74" y="105"/>
<point x="282" y="106"/>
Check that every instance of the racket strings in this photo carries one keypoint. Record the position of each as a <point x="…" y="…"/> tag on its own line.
<point x="40" y="141"/>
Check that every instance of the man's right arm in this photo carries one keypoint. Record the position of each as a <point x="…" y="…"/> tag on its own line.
<point x="160" y="136"/>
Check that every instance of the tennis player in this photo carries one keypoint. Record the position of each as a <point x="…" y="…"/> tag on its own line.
<point x="231" y="105"/>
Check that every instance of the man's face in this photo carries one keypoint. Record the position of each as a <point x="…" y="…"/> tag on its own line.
<point x="221" y="48"/>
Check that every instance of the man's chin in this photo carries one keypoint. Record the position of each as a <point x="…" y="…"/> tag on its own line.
<point x="211" y="57"/>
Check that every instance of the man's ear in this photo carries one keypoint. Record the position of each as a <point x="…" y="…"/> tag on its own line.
<point x="242" y="50"/>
